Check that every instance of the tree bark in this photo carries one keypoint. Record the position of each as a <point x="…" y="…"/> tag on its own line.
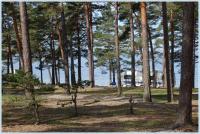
<point x="41" y="67"/>
<point x="53" y="59"/>
<point x="117" y="47"/>
<point x="185" y="97"/>
<point x="152" y="57"/>
<point x="90" y="47"/>
<point x="64" y="48"/>
<point x="132" y="46"/>
<point x="144" y="35"/>
<point x="25" y="38"/>
<point x="73" y="79"/>
<point x="18" y="39"/>
<point x="166" y="53"/>
<point x="172" y="47"/>
<point x="79" y="52"/>
<point x="110" y="72"/>
<point x="8" y="57"/>
<point x="91" y="39"/>
<point x="29" y="92"/>
<point x="10" y="54"/>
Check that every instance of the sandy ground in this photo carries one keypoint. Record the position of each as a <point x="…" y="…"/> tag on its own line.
<point x="97" y="112"/>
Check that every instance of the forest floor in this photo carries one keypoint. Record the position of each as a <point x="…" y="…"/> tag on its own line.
<point x="99" y="110"/>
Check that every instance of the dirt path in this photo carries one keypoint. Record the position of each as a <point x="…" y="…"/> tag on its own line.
<point x="97" y="112"/>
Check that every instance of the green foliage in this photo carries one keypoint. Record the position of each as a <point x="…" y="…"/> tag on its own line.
<point x="46" y="88"/>
<point x="22" y="79"/>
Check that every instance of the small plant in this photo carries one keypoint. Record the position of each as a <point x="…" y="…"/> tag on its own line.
<point x="26" y="81"/>
<point x="74" y="94"/>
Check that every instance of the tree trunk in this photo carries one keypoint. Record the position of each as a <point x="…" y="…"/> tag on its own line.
<point x="110" y="72"/>
<point x="166" y="53"/>
<point x="10" y="53"/>
<point x="91" y="39"/>
<point x="172" y="47"/>
<point x="144" y="35"/>
<point x="29" y="92"/>
<point x="113" y="73"/>
<point x="90" y="47"/>
<point x="41" y="67"/>
<point x="73" y="79"/>
<point x="79" y="52"/>
<point x="185" y="97"/>
<point x="64" y="49"/>
<point x="8" y="58"/>
<point x="132" y="46"/>
<point x="194" y="54"/>
<point x="25" y="38"/>
<point x="152" y="57"/>
<point x="53" y="59"/>
<point x="18" y="39"/>
<point x="117" y="51"/>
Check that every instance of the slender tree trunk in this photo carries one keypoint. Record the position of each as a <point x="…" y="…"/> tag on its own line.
<point x="166" y="53"/>
<point x="185" y="97"/>
<point x="110" y="72"/>
<point x="152" y="57"/>
<point x="194" y="54"/>
<point x="113" y="73"/>
<point x="56" y="74"/>
<point x="18" y="39"/>
<point x="10" y="54"/>
<point x="172" y="47"/>
<point x="90" y="48"/>
<point x="27" y="56"/>
<point x="41" y="68"/>
<point x="144" y="35"/>
<point x="79" y="52"/>
<point x="91" y="39"/>
<point x="64" y="49"/>
<point x="132" y="46"/>
<point x="73" y="79"/>
<point x="117" y="50"/>
<point x="53" y="59"/>
<point x="8" y="59"/>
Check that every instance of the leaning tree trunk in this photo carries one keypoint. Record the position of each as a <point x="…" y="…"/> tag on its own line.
<point x="90" y="47"/>
<point x="172" y="47"/>
<point x="117" y="51"/>
<point x="144" y="35"/>
<point x="132" y="46"/>
<point x="185" y="97"/>
<point x="166" y="53"/>
<point x="27" y="56"/>
<point x="18" y="39"/>
<point x="64" y="49"/>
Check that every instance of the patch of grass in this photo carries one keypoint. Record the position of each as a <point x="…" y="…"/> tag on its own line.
<point x="17" y="100"/>
<point x="45" y="89"/>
